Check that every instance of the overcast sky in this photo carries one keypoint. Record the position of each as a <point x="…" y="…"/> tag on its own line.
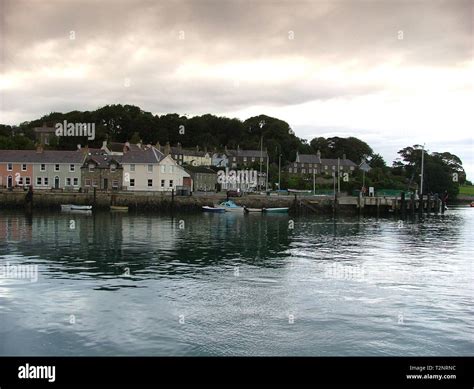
<point x="393" y="73"/>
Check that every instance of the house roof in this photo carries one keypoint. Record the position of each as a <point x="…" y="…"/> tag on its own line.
<point x="308" y="158"/>
<point x="333" y="162"/>
<point x="198" y="169"/>
<point x="247" y="153"/>
<point x="143" y="155"/>
<point x="102" y="159"/>
<point x="45" y="156"/>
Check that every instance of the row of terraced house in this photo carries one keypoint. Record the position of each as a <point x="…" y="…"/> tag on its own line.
<point x="139" y="167"/>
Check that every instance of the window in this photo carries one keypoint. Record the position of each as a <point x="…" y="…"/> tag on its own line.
<point x="20" y="180"/>
<point x="334" y="168"/>
<point x="46" y="181"/>
<point x="88" y="182"/>
<point x="245" y="159"/>
<point x="94" y="183"/>
<point x="310" y="170"/>
<point x="302" y="165"/>
<point x="162" y="183"/>
<point x="150" y="183"/>
<point x="39" y="181"/>
<point x="43" y="167"/>
<point x="27" y="181"/>
<point x="170" y="169"/>
<point x="352" y="167"/>
<point x="303" y="171"/>
<point x="234" y="159"/>
<point x="115" y="184"/>
<point x="341" y="167"/>
<point x="113" y="167"/>
<point x="290" y="170"/>
<point x="295" y="164"/>
<point x="23" y="167"/>
<point x="72" y="168"/>
<point x="325" y="167"/>
<point x="150" y="168"/>
<point x="132" y="182"/>
<point x="91" y="168"/>
<point x="10" y="167"/>
<point x="68" y="181"/>
<point x="56" y="167"/>
<point x="76" y="181"/>
<point x="171" y="183"/>
<point x="253" y="159"/>
<point x="261" y="159"/>
<point x="163" y="168"/>
<point x="132" y="167"/>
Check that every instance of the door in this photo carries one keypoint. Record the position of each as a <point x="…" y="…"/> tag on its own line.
<point x="56" y="182"/>
<point x="106" y="184"/>
<point x="9" y="182"/>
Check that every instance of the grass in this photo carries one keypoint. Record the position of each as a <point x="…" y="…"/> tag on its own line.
<point x="466" y="190"/>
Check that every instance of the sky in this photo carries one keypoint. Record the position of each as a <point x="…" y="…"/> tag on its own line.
<point x="392" y="73"/>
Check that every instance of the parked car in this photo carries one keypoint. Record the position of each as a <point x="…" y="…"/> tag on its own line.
<point x="234" y="193"/>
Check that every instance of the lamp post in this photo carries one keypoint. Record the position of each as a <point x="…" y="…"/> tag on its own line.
<point x="279" y="171"/>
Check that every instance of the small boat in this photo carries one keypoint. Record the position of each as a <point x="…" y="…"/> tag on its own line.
<point x="230" y="206"/>
<point x="276" y="210"/>
<point x="118" y="208"/>
<point x="252" y="210"/>
<point x="206" y="208"/>
<point x="72" y="207"/>
<point x="472" y="204"/>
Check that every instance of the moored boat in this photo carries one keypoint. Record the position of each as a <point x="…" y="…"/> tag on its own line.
<point x="252" y="210"/>
<point x="72" y="207"/>
<point x="472" y="203"/>
<point x="118" y="208"/>
<point x="276" y="210"/>
<point x="230" y="206"/>
<point x="206" y="208"/>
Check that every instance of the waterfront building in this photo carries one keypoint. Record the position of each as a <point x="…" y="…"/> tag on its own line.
<point x="43" y="169"/>
<point x="101" y="171"/>
<point x="203" y="178"/>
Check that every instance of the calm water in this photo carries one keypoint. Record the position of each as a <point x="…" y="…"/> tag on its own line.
<point x="205" y="284"/>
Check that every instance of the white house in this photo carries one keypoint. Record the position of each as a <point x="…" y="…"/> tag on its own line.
<point x="147" y="169"/>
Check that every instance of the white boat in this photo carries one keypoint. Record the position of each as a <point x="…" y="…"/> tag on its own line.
<point x="252" y="210"/>
<point x="276" y="210"/>
<point x="72" y="207"/>
<point x="206" y="208"/>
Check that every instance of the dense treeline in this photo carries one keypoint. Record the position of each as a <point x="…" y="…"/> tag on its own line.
<point x="130" y="123"/>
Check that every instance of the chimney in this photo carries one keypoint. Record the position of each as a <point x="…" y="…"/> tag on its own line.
<point x="139" y="144"/>
<point x="167" y="148"/>
<point x="126" y="147"/>
<point x="158" y="146"/>
<point x="318" y="153"/>
<point x="197" y="147"/>
<point x="343" y="156"/>
<point x="39" y="149"/>
<point x="79" y="146"/>
<point x="104" y="144"/>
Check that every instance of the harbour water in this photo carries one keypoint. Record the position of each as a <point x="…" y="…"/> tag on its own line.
<point x="229" y="284"/>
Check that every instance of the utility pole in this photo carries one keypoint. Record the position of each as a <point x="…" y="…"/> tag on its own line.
<point x="314" y="182"/>
<point x="422" y="169"/>
<point x="338" y="178"/>
<point x="279" y="171"/>
<point x="266" y="182"/>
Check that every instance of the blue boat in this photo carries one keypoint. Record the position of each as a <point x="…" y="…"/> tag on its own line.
<point x="206" y="208"/>
<point x="230" y="206"/>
